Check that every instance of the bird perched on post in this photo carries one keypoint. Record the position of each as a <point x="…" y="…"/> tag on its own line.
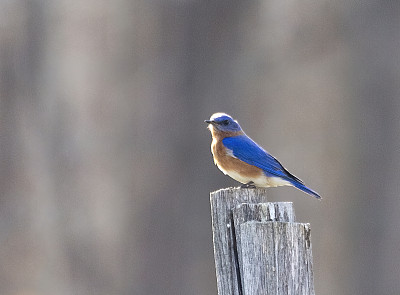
<point x="238" y="156"/>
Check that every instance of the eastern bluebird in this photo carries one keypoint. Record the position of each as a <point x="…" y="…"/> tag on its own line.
<point x="241" y="158"/>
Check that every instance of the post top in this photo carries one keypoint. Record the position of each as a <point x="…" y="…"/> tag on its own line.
<point x="239" y="189"/>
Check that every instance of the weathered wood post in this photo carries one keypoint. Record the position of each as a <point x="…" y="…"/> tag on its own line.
<point x="258" y="246"/>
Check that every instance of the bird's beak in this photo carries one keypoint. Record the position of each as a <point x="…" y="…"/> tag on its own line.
<point x="209" y="122"/>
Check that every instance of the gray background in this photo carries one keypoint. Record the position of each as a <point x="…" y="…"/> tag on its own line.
<point x="105" y="163"/>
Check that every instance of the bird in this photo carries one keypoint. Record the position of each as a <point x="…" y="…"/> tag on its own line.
<point x="238" y="156"/>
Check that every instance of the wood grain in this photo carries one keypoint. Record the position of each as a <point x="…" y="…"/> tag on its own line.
<point x="258" y="246"/>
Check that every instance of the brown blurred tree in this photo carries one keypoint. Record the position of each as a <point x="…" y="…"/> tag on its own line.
<point x="105" y="163"/>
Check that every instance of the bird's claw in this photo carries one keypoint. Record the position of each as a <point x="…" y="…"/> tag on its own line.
<point x="248" y="185"/>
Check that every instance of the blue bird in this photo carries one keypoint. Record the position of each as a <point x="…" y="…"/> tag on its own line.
<point x="238" y="156"/>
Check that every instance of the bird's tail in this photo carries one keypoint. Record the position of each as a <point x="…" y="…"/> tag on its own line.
<point x="305" y="189"/>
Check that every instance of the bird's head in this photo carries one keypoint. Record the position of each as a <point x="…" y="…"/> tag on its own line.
<point x="223" y="123"/>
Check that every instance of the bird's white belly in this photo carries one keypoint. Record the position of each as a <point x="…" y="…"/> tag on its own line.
<point x="259" y="181"/>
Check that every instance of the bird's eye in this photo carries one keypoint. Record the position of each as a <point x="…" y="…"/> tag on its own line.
<point x="225" y="122"/>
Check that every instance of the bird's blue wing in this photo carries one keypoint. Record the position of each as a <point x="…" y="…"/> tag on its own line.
<point x="245" y="149"/>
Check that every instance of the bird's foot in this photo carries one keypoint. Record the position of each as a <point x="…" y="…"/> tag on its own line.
<point x="248" y="185"/>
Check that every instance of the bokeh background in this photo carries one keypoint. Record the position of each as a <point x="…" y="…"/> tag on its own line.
<point x="105" y="163"/>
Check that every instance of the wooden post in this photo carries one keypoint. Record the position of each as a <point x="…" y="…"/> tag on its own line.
<point x="258" y="246"/>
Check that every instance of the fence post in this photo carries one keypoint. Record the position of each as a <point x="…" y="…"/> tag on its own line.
<point x="258" y="246"/>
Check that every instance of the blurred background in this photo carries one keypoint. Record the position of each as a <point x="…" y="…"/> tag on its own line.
<point x="105" y="163"/>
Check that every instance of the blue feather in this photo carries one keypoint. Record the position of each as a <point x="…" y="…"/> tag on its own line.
<point x="305" y="189"/>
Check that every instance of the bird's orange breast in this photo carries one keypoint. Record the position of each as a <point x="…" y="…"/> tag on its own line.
<point x="228" y="163"/>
